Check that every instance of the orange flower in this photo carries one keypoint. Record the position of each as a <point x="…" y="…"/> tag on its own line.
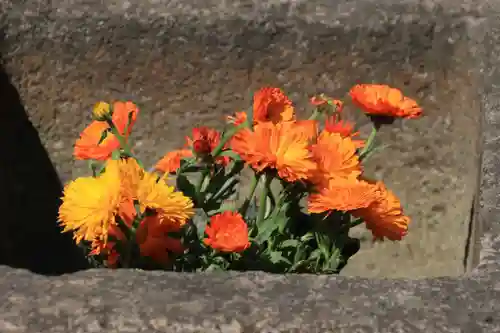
<point x="382" y="100"/>
<point x="323" y="100"/>
<point x="204" y="140"/>
<point x="344" y="128"/>
<point x="227" y="232"/>
<point x="124" y="116"/>
<point x="89" y="145"/>
<point x="336" y="157"/>
<point x="272" y="105"/>
<point x="172" y="160"/>
<point x="154" y="239"/>
<point x="238" y="118"/>
<point x="384" y="217"/>
<point x="343" y="194"/>
<point x="107" y="250"/>
<point x="308" y="127"/>
<point x="282" y="146"/>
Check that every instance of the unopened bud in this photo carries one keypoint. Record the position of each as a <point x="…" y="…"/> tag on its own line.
<point x="101" y="111"/>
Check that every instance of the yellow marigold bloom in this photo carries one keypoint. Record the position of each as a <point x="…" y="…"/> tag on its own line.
<point x="90" y="205"/>
<point x="171" y="206"/>
<point x="101" y="111"/>
<point x="384" y="217"/>
<point x="282" y="146"/>
<point x="336" y="157"/>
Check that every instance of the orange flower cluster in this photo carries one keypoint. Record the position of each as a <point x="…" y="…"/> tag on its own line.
<point x="298" y="151"/>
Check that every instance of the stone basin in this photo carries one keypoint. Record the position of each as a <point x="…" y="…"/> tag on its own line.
<point x="188" y="64"/>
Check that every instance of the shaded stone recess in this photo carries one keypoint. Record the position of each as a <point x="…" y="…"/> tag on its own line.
<point x="79" y="35"/>
<point x="188" y="66"/>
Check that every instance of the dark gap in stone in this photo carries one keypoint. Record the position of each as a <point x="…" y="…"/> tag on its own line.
<point x="30" y="192"/>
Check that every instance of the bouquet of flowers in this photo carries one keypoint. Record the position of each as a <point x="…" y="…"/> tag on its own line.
<point x="182" y="214"/>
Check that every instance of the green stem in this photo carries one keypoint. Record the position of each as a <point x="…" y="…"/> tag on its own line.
<point x="253" y="187"/>
<point x="315" y="115"/>
<point x="352" y="224"/>
<point x="263" y="198"/>
<point x="123" y="143"/>
<point x="225" y="139"/>
<point x="130" y="239"/>
<point x="369" y="143"/>
<point x="199" y="185"/>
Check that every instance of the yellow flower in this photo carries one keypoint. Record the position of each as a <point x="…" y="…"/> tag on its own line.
<point x="90" y="205"/>
<point x="171" y="206"/>
<point x="101" y="111"/>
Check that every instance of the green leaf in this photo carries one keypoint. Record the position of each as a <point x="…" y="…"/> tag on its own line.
<point x="296" y="265"/>
<point x="375" y="148"/>
<point x="116" y="155"/>
<point x="185" y="186"/>
<point x="334" y="261"/>
<point x="225" y="190"/>
<point x="250" y="116"/>
<point x="277" y="258"/>
<point x="188" y="165"/>
<point x="324" y="244"/>
<point x="265" y="230"/>
<point x="233" y="155"/>
<point x="103" y="137"/>
<point x="200" y="221"/>
<point x="307" y="237"/>
<point x="316" y="254"/>
<point x="290" y="243"/>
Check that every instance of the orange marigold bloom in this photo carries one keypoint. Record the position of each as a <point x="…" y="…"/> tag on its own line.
<point x="384" y="217"/>
<point x="343" y="194"/>
<point x="88" y="146"/>
<point x="154" y="239"/>
<point x="309" y="128"/>
<point x="172" y="160"/>
<point x="382" y="100"/>
<point x="227" y="232"/>
<point x="282" y="146"/>
<point x="344" y="128"/>
<point x="336" y="157"/>
<point x="271" y="104"/>
<point x="204" y="140"/>
<point x="107" y="250"/>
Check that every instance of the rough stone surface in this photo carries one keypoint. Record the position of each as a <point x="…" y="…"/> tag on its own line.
<point x="136" y="301"/>
<point x="188" y="64"/>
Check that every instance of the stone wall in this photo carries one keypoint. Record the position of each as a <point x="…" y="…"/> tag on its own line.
<point x="187" y="63"/>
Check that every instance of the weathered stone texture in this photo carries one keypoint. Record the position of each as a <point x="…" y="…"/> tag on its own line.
<point x="188" y="63"/>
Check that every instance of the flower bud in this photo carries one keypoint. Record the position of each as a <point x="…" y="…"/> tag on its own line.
<point x="101" y="111"/>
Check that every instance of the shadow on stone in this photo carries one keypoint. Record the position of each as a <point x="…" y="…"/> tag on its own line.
<point x="30" y="196"/>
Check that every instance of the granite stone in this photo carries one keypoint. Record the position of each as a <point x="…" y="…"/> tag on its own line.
<point x="138" y="301"/>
